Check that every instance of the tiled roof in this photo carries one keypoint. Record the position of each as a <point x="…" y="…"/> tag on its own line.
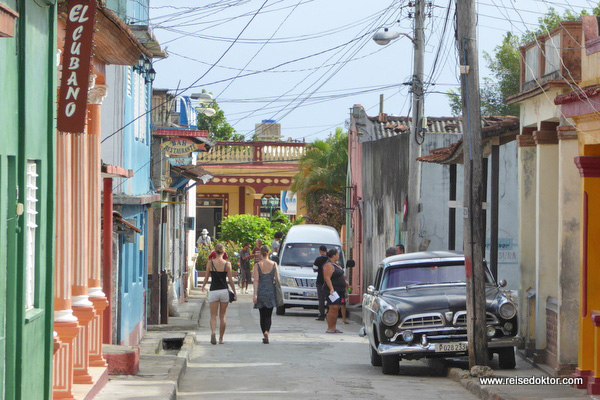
<point x="388" y="126"/>
<point x="504" y="127"/>
<point x="576" y="95"/>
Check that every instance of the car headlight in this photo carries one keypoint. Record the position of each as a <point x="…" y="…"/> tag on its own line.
<point x="389" y="317"/>
<point x="507" y="310"/>
<point x="287" y="281"/>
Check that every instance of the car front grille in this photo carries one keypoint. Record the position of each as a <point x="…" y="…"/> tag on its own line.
<point x="461" y="318"/>
<point x="306" y="283"/>
<point x="422" y="321"/>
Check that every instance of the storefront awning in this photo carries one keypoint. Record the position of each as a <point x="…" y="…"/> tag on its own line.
<point x="194" y="172"/>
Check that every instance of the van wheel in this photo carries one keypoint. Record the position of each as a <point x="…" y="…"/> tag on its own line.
<point x="375" y="357"/>
<point x="390" y="364"/>
<point x="280" y="310"/>
<point x="506" y="358"/>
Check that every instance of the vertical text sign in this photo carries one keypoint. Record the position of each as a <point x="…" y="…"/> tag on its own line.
<point x="77" y="56"/>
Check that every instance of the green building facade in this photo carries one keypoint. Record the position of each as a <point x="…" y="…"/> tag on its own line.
<point x="27" y="195"/>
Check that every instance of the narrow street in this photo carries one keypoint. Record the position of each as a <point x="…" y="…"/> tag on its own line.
<point x="301" y="362"/>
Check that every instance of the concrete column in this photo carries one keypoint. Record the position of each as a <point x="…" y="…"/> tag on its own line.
<point x="82" y="307"/>
<point x="65" y="323"/>
<point x="569" y="200"/>
<point x="527" y="238"/>
<point x="546" y="266"/>
<point x="94" y="231"/>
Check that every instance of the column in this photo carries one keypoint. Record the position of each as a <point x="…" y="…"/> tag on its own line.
<point x="65" y="323"/>
<point x="82" y="307"/>
<point x="589" y="171"/>
<point x="569" y="200"/>
<point x="546" y="225"/>
<point x="96" y="295"/>
<point x="527" y="238"/>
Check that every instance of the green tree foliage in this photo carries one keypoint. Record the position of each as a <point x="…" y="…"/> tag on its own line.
<point x="217" y="124"/>
<point x="504" y="64"/>
<point x="323" y="168"/>
<point x="282" y="223"/>
<point x="246" y="228"/>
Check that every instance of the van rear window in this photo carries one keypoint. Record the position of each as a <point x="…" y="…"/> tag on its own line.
<point x="304" y="254"/>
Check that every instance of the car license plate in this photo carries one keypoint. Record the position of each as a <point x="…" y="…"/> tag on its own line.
<point x="450" y="347"/>
<point x="312" y="295"/>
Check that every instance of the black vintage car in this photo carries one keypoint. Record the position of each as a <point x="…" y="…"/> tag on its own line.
<point x="417" y="309"/>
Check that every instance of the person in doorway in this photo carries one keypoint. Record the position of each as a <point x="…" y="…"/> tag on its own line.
<point x="265" y="274"/>
<point x="245" y="268"/>
<point x="399" y="248"/>
<point x="204" y="241"/>
<point x="276" y="243"/>
<point x="219" y="271"/>
<point x="318" y="268"/>
<point x="391" y="251"/>
<point x="335" y="285"/>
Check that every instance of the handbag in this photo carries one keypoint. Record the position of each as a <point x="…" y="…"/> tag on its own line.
<point x="231" y="294"/>
<point x="278" y="292"/>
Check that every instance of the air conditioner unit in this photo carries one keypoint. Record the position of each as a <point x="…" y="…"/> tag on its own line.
<point x="189" y="224"/>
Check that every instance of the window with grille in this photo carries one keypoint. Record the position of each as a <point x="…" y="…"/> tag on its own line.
<point x="31" y="212"/>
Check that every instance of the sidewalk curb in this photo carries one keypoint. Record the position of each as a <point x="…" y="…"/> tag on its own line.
<point x="462" y="377"/>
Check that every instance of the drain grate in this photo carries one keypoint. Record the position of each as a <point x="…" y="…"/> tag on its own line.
<point x="172" y="343"/>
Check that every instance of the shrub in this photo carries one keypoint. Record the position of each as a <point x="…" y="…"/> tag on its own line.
<point x="246" y="228"/>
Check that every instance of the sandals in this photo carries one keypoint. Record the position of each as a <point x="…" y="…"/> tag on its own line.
<point x="333" y="331"/>
<point x="265" y="341"/>
<point x="213" y="338"/>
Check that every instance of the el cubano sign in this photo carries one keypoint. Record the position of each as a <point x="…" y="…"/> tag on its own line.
<point x="72" y="102"/>
<point x="181" y="147"/>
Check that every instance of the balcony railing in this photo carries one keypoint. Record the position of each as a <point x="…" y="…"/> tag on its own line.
<point x="253" y="152"/>
<point x="555" y="56"/>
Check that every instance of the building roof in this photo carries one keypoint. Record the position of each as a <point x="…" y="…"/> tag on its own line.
<point x="389" y="125"/>
<point x="580" y="94"/>
<point x="194" y="172"/>
<point x="505" y="129"/>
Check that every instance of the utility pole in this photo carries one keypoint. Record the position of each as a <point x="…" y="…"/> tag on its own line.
<point x="474" y="236"/>
<point x="414" y="147"/>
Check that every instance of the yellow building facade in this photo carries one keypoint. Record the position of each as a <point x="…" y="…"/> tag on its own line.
<point x="245" y="173"/>
<point x="582" y="105"/>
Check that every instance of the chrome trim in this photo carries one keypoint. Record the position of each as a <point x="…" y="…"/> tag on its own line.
<point x="306" y="283"/>
<point x="391" y="348"/>
<point x="489" y="318"/>
<point x="423" y="324"/>
<point x="505" y="300"/>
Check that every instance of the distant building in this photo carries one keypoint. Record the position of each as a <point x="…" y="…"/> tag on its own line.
<point x="267" y="131"/>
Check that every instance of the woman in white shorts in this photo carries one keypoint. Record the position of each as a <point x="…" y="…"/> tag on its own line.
<point x="218" y="295"/>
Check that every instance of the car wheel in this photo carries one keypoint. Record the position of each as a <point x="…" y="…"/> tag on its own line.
<point x="375" y="357"/>
<point x="390" y="365"/>
<point x="280" y="310"/>
<point x="506" y="358"/>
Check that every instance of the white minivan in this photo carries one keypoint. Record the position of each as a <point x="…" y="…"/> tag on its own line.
<point x="296" y="258"/>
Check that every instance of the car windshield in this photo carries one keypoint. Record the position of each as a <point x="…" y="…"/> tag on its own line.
<point x="425" y="274"/>
<point x="304" y="254"/>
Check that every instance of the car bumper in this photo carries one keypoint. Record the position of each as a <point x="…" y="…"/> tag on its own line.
<point x="299" y="297"/>
<point x="389" y="349"/>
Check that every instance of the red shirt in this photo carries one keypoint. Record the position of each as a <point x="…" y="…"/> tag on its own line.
<point x="214" y="255"/>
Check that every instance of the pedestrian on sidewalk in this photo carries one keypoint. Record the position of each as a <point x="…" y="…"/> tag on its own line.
<point x="265" y="275"/>
<point x="245" y="268"/>
<point x="256" y="251"/>
<point x="218" y="296"/>
<point x="335" y="285"/>
<point x="318" y="268"/>
<point x="276" y="243"/>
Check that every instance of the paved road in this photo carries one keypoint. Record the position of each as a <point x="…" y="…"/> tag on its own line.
<point x="301" y="362"/>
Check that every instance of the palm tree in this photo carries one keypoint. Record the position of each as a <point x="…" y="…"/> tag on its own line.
<point x="323" y="168"/>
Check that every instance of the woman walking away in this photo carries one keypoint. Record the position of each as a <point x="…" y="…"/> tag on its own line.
<point x="335" y="285"/>
<point x="265" y="274"/>
<point x="218" y="296"/>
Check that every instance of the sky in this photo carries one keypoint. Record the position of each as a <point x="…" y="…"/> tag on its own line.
<point x="305" y="63"/>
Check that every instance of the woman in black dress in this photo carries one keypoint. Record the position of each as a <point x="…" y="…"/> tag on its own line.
<point x="335" y="283"/>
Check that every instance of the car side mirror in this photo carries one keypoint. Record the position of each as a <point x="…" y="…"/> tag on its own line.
<point x="502" y="283"/>
<point x="371" y="290"/>
<point x="350" y="264"/>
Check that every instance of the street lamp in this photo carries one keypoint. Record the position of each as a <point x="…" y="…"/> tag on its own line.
<point x="270" y="203"/>
<point x="205" y="99"/>
<point x="384" y="37"/>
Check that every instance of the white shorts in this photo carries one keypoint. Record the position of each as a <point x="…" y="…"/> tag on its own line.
<point x="221" y="295"/>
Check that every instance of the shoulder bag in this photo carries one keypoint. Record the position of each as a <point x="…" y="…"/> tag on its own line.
<point x="231" y="294"/>
<point x="278" y="291"/>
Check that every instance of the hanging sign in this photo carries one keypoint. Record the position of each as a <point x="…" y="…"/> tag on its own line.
<point x="180" y="160"/>
<point x="74" y="82"/>
<point x="288" y="202"/>
<point x="179" y="146"/>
